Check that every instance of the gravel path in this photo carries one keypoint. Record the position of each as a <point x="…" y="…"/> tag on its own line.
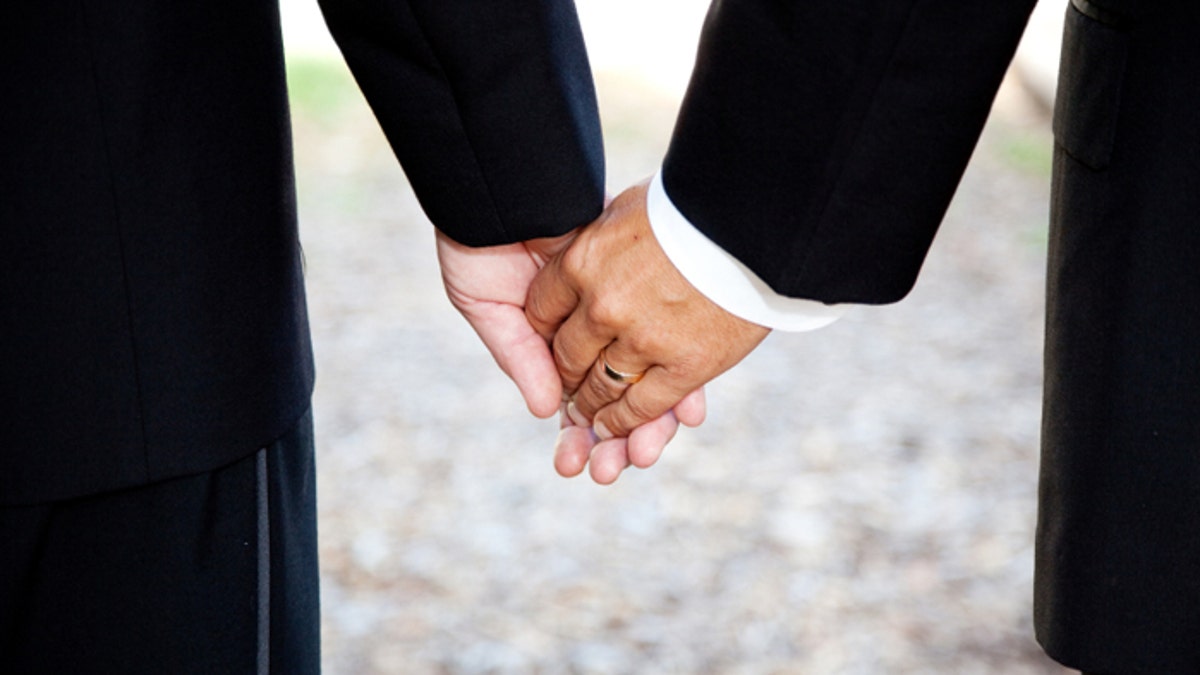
<point x="861" y="499"/>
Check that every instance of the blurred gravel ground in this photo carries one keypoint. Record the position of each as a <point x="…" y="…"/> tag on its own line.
<point x="861" y="499"/>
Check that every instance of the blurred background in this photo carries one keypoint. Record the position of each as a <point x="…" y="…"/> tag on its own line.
<point x="861" y="499"/>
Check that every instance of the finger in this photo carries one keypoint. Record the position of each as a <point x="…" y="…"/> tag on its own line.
<point x="654" y="395"/>
<point x="576" y="348"/>
<point x="646" y="443"/>
<point x="572" y="449"/>
<point x="522" y="354"/>
<point x="601" y="386"/>
<point x="609" y="458"/>
<point x="550" y="300"/>
<point x="692" y="409"/>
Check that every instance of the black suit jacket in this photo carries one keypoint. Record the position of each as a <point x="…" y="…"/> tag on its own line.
<point x="820" y="143"/>
<point x="152" y="319"/>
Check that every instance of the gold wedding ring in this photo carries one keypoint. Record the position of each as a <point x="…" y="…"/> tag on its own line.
<point x="620" y="377"/>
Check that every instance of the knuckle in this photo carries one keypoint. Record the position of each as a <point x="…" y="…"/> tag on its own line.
<point x="638" y="411"/>
<point x="599" y="390"/>
<point x="604" y="311"/>
<point x="565" y="363"/>
<point x="644" y="342"/>
<point x="574" y="260"/>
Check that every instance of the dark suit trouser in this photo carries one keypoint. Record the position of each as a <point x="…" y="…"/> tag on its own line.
<point x="212" y="573"/>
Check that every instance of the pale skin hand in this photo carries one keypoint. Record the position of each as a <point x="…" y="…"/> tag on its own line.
<point x="614" y="289"/>
<point x="578" y="447"/>
<point x="488" y="286"/>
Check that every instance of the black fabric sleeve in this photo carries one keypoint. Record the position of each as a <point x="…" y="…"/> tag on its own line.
<point x="489" y="106"/>
<point x="820" y="142"/>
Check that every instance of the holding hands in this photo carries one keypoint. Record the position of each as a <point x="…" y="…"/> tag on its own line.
<point x="630" y="338"/>
<point x="489" y="286"/>
<point x="598" y="325"/>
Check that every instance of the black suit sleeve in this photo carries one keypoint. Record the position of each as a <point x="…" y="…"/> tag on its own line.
<point x="820" y="142"/>
<point x="489" y="105"/>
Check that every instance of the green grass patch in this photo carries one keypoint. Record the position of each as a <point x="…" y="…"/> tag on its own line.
<point x="1029" y="153"/>
<point x="320" y="89"/>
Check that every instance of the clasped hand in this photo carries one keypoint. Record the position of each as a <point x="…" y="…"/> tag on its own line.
<point x="611" y="302"/>
<point x="548" y="308"/>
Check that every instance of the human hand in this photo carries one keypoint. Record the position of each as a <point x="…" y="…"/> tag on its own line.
<point x="612" y="297"/>
<point x="578" y="446"/>
<point x="488" y="286"/>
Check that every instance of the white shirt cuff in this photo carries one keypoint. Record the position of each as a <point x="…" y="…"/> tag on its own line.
<point x="723" y="278"/>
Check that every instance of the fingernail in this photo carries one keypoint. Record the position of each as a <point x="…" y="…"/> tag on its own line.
<point x="601" y="431"/>
<point x="576" y="416"/>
